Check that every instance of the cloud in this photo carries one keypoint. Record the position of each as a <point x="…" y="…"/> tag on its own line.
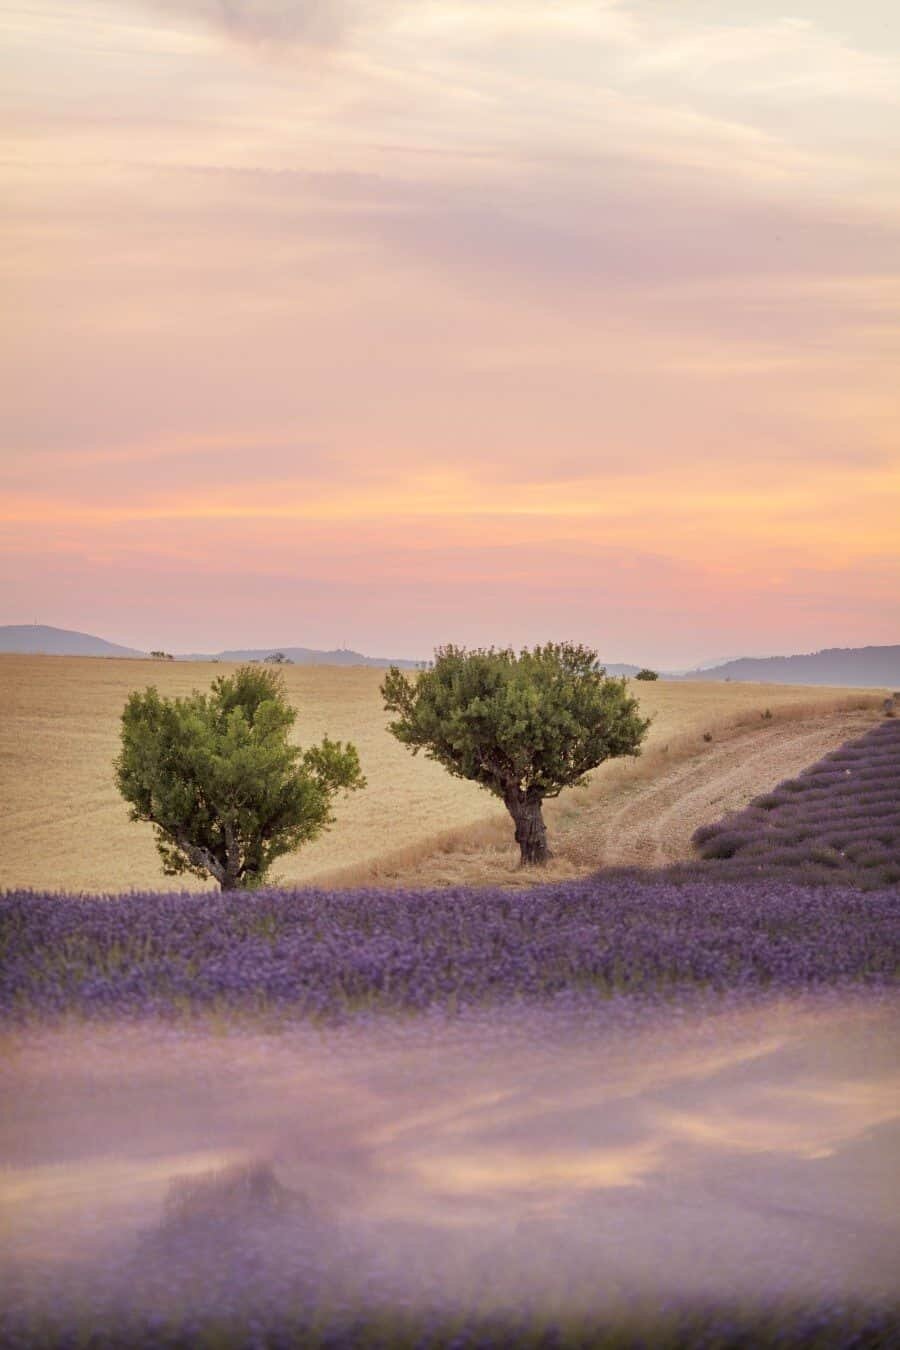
<point x="306" y="23"/>
<point x="788" y="58"/>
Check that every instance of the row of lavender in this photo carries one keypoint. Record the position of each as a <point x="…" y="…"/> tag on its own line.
<point x="837" y="821"/>
<point x="329" y="953"/>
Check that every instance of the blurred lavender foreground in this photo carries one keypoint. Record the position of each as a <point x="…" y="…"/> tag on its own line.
<point x="638" y="1110"/>
<point x="536" y="1176"/>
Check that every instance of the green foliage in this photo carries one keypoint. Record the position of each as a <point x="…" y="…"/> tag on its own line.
<point x="219" y="781"/>
<point x="523" y="726"/>
<point x="646" y="674"/>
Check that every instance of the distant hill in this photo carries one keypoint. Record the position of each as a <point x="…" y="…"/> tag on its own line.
<point x="304" y="656"/>
<point x="341" y="656"/>
<point x="852" y="666"/>
<point x="38" y="638"/>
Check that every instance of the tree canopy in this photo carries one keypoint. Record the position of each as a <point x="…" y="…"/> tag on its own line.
<point x="219" y="781"/>
<point x="524" y="726"/>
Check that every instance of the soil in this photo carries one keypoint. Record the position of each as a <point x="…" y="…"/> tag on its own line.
<point x="653" y="827"/>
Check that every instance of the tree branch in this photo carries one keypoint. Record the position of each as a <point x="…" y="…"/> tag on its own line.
<point x="200" y="857"/>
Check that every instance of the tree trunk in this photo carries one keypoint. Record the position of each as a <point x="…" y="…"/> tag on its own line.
<point x="531" y="832"/>
<point x="230" y="879"/>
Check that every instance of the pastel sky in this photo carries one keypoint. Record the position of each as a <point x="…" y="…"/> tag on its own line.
<point x="396" y="322"/>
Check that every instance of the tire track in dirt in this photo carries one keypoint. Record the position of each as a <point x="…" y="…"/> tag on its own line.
<point x="654" y="824"/>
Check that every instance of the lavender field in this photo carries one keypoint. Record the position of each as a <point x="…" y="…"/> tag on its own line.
<point x="322" y="953"/>
<point x="838" y="821"/>
<point x="642" y="1109"/>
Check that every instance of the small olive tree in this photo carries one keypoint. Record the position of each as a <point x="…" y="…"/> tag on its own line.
<point x="217" y="778"/>
<point x="523" y="726"/>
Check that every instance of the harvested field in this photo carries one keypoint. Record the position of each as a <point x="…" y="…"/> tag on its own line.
<point x="65" y="826"/>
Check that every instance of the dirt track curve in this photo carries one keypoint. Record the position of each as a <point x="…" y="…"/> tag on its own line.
<point x="652" y="825"/>
<point x="640" y="814"/>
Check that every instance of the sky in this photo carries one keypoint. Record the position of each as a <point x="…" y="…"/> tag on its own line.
<point x="390" y="323"/>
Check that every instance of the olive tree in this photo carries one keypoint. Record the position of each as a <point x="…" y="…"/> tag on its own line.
<point x="523" y="726"/>
<point x="219" y="781"/>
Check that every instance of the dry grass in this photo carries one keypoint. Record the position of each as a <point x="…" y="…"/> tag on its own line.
<point x="64" y="825"/>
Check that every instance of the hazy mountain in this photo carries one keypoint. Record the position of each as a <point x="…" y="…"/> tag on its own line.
<point x="859" y="666"/>
<point x="342" y="656"/>
<point x="38" y="638"/>
<point x="304" y="656"/>
<point x="710" y="664"/>
<point x="617" y="668"/>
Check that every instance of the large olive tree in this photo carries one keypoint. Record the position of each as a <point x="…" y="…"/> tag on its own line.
<point x="523" y="726"/>
<point x="217" y="778"/>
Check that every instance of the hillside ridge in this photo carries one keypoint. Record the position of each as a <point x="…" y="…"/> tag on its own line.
<point x="40" y="639"/>
<point x="853" y="667"/>
<point x="850" y="666"/>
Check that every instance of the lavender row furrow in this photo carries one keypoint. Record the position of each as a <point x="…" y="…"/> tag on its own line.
<point x="838" y="821"/>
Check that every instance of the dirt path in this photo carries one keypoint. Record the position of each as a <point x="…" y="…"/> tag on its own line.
<point x="653" y="825"/>
<point x="635" y="813"/>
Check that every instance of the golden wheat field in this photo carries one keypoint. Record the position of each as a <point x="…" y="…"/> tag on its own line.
<point x="65" y="827"/>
